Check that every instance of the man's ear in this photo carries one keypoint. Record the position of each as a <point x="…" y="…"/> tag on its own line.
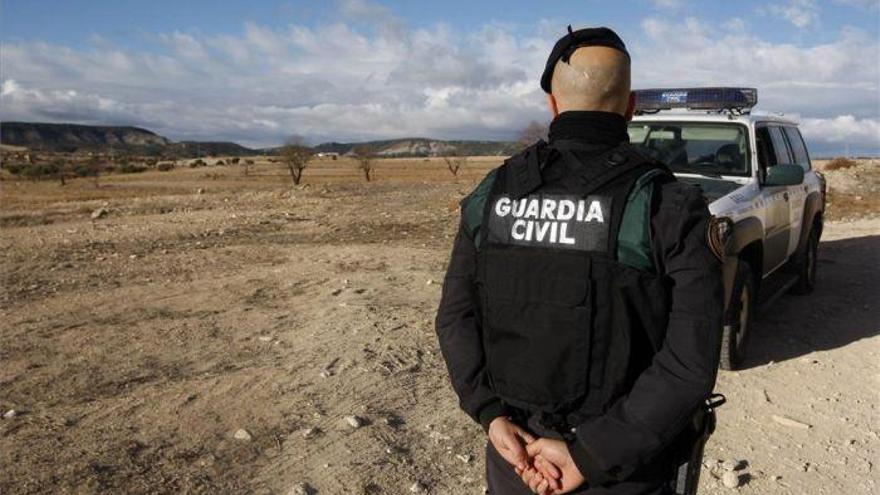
<point x="630" y="107"/>
<point x="554" y="108"/>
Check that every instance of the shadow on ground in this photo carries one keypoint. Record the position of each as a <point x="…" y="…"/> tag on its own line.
<point x="841" y="310"/>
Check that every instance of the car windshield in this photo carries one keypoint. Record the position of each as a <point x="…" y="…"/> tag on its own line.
<point x="697" y="148"/>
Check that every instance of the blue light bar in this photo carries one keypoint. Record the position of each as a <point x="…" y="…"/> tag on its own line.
<point x="652" y="100"/>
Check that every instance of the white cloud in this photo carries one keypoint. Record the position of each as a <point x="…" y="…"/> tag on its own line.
<point x="326" y="82"/>
<point x="866" y="4"/>
<point x="801" y="13"/>
<point x="821" y="81"/>
<point x="844" y="129"/>
<point x="667" y="4"/>
<point x="735" y="24"/>
<point x="369" y="75"/>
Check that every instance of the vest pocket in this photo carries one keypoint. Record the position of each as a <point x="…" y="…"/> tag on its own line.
<point x="538" y="326"/>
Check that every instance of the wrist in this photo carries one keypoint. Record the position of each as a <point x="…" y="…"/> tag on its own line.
<point x="586" y="464"/>
<point x="490" y="413"/>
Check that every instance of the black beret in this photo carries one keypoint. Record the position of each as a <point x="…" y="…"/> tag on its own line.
<point x="601" y="36"/>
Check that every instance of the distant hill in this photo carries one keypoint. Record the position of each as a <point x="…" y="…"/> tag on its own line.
<point x="211" y="148"/>
<point x="412" y="147"/>
<point x="121" y="139"/>
<point x="70" y="137"/>
<point x="135" y="140"/>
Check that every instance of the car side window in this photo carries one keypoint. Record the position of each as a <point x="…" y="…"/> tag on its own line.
<point x="766" y="155"/>
<point x="779" y="146"/>
<point x="798" y="148"/>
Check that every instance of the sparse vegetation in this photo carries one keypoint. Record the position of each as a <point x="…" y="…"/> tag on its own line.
<point x="365" y="156"/>
<point x="130" y="168"/>
<point x="15" y="168"/>
<point x="455" y="161"/>
<point x="295" y="155"/>
<point x="246" y="167"/>
<point x="216" y="270"/>
<point x="93" y="167"/>
<point x="40" y="171"/>
<point x="531" y="133"/>
<point x="840" y="163"/>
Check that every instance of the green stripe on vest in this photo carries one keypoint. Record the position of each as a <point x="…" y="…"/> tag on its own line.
<point x="634" y="236"/>
<point x="473" y="206"/>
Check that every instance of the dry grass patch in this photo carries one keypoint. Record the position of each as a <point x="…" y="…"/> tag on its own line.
<point x="840" y="163"/>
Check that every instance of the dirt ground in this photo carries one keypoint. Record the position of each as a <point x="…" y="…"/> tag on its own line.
<point x="136" y="345"/>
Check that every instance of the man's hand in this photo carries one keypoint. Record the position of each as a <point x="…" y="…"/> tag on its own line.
<point x="509" y="440"/>
<point x="555" y="453"/>
<point x="541" y="477"/>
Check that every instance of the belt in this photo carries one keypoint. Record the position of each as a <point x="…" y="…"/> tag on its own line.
<point x="553" y="422"/>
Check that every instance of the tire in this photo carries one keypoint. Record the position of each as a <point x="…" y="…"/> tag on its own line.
<point x="738" y="322"/>
<point x="806" y="266"/>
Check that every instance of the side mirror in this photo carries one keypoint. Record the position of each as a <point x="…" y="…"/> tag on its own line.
<point x="784" y="175"/>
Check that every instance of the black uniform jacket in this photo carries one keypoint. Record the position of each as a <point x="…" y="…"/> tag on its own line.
<point x="681" y="375"/>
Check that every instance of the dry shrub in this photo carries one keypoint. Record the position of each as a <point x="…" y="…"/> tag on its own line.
<point x="295" y="155"/>
<point x="840" y="163"/>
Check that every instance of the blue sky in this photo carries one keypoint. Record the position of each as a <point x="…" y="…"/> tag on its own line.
<point x="258" y="71"/>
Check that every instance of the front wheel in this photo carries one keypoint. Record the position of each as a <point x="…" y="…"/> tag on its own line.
<point x="806" y="267"/>
<point x="738" y="322"/>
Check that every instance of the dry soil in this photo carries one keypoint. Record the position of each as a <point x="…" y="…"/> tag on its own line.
<point x="200" y="302"/>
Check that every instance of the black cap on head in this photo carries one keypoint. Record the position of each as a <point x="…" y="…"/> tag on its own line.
<point x="566" y="45"/>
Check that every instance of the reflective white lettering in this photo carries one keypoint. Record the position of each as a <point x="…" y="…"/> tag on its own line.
<point x="542" y="229"/>
<point x="563" y="234"/>
<point x="595" y="213"/>
<point x="518" y="234"/>
<point x="566" y="210"/>
<point x="502" y="207"/>
<point x="548" y="206"/>
<point x="532" y="209"/>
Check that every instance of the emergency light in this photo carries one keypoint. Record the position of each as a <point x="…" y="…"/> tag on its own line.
<point x="732" y="99"/>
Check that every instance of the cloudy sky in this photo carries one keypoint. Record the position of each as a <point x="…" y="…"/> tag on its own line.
<point x="258" y="71"/>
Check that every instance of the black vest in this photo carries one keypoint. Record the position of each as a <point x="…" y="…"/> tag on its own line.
<point x="566" y="327"/>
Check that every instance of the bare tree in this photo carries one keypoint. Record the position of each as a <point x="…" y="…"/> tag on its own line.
<point x="365" y="155"/>
<point x="93" y="168"/>
<point x="246" y="168"/>
<point x="455" y="160"/>
<point x="61" y="168"/>
<point x="531" y="133"/>
<point x="295" y="155"/>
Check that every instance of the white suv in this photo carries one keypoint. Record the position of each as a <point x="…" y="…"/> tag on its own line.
<point x="756" y="175"/>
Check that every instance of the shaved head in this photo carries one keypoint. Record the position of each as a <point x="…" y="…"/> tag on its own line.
<point x="595" y="78"/>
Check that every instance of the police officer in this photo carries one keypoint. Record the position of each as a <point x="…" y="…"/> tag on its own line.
<point x="582" y="308"/>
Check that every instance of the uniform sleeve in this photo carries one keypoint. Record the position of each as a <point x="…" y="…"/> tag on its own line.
<point x="682" y="374"/>
<point x="460" y="334"/>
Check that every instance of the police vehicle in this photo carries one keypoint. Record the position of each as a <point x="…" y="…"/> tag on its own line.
<point x="754" y="171"/>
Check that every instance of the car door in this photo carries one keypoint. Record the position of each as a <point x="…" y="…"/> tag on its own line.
<point x="797" y="193"/>
<point x="772" y="151"/>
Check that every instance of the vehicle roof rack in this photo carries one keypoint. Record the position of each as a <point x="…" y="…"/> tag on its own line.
<point x="737" y="101"/>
